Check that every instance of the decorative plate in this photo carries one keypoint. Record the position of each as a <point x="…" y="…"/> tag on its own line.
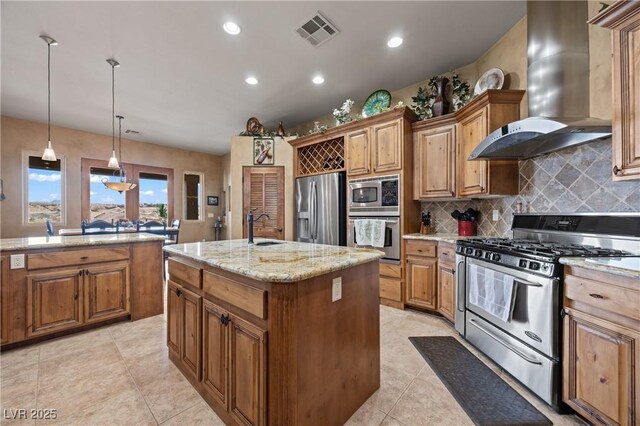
<point x="377" y="102"/>
<point x="253" y="126"/>
<point x="492" y="79"/>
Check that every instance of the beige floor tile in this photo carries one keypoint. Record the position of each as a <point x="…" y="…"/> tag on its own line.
<point x="138" y="345"/>
<point x="72" y="345"/>
<point x="69" y="393"/>
<point x="16" y="361"/>
<point x="429" y="403"/>
<point x="129" y="329"/>
<point x="198" y="415"/>
<point x="367" y="415"/>
<point x="390" y="421"/>
<point x="126" y="408"/>
<point x="18" y="392"/>
<point x="400" y="353"/>
<point x="393" y="382"/>
<point x="98" y="356"/>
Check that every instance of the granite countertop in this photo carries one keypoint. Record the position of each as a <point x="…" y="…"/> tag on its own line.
<point x="31" y="243"/>
<point x="625" y="267"/>
<point x="446" y="238"/>
<point x="287" y="262"/>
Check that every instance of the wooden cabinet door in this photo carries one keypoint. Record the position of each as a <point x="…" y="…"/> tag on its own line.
<point x="387" y="146"/>
<point x="247" y="375"/>
<point x="472" y="179"/>
<point x="600" y="363"/>
<point x="190" y="307"/>
<point x="54" y="301"/>
<point x="421" y="282"/>
<point x="446" y="286"/>
<point x="358" y="153"/>
<point x="4" y="301"/>
<point x="215" y="353"/>
<point x="435" y="164"/>
<point x="174" y="293"/>
<point x="106" y="291"/>
<point x="263" y="189"/>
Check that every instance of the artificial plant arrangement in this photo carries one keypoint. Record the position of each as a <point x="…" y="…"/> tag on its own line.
<point x="342" y="115"/>
<point x="425" y="98"/>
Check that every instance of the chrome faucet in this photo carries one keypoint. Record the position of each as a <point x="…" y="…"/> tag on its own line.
<point x="250" y="220"/>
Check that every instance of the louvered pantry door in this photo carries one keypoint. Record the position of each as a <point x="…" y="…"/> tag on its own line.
<point x="263" y="189"/>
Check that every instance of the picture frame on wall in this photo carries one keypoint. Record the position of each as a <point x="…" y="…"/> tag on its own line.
<point x="263" y="152"/>
<point x="212" y="200"/>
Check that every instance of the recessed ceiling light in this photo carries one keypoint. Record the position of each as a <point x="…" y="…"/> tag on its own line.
<point x="318" y="79"/>
<point x="394" y="42"/>
<point x="251" y="80"/>
<point x="231" y="28"/>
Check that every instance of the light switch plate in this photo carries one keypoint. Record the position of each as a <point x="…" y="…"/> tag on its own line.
<point x="17" y="261"/>
<point x="336" y="290"/>
<point x="209" y="214"/>
<point x="496" y="215"/>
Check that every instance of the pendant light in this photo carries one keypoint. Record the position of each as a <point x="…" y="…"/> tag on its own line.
<point x="49" y="154"/>
<point x="113" y="161"/>
<point x="123" y="185"/>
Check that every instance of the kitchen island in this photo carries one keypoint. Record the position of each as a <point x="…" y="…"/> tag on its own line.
<point x="52" y="286"/>
<point x="280" y="334"/>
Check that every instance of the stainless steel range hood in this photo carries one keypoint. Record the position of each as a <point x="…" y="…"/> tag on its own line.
<point x="558" y="87"/>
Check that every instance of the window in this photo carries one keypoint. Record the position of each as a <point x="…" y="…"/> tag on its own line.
<point x="193" y="195"/>
<point x="154" y="197"/>
<point x="44" y="190"/>
<point x="105" y="204"/>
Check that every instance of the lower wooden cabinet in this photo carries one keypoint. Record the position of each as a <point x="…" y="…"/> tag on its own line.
<point x="183" y="327"/>
<point x="446" y="288"/>
<point x="106" y="291"/>
<point x="54" y="301"/>
<point x="601" y="350"/>
<point x="174" y="291"/>
<point x="215" y="353"/>
<point x="422" y="282"/>
<point x="4" y="301"/>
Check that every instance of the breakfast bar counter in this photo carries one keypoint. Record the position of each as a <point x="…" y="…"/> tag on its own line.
<point x="278" y="333"/>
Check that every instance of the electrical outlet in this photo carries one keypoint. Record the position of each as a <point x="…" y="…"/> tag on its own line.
<point x="17" y="261"/>
<point x="336" y="291"/>
<point x="496" y="215"/>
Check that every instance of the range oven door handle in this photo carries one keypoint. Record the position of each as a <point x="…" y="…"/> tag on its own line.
<point x="523" y="278"/>
<point x="460" y="277"/>
<point x="512" y="348"/>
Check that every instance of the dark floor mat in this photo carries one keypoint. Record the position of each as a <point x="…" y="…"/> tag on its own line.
<point x="483" y="395"/>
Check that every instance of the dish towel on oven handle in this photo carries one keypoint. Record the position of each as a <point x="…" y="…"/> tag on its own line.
<point x="492" y="291"/>
<point x="370" y="232"/>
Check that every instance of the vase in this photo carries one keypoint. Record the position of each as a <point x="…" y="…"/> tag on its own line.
<point x="442" y="104"/>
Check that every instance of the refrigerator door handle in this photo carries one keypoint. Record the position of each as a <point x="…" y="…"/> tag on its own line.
<point x="314" y="200"/>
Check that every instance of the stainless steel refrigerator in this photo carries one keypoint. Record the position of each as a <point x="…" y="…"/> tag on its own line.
<point x="321" y="209"/>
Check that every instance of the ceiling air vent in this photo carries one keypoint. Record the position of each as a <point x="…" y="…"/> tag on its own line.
<point x="132" y="132"/>
<point x="317" y="30"/>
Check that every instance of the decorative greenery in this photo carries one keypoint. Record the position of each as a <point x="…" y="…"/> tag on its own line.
<point x="321" y="128"/>
<point x="342" y="115"/>
<point x="424" y="99"/>
<point x="162" y="211"/>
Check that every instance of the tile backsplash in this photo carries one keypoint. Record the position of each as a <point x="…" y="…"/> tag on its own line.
<point x="576" y="179"/>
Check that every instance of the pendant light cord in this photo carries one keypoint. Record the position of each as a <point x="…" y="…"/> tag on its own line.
<point x="113" y="108"/>
<point x="120" y="138"/>
<point x="49" y="90"/>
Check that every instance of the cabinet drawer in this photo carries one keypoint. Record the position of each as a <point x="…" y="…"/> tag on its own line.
<point x="391" y="289"/>
<point x="249" y="299"/>
<point x="607" y="297"/>
<point x="447" y="253"/>
<point x="76" y="257"/>
<point x="390" y="270"/>
<point x="182" y="272"/>
<point x="421" y="248"/>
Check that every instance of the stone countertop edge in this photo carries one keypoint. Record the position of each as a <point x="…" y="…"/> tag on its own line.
<point x="36" y="243"/>
<point x="582" y="263"/>
<point x="447" y="238"/>
<point x="236" y="257"/>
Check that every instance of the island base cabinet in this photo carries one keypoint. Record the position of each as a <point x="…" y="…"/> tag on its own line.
<point x="183" y="328"/>
<point x="54" y="301"/>
<point x="600" y="369"/>
<point x="106" y="291"/>
<point x="215" y="354"/>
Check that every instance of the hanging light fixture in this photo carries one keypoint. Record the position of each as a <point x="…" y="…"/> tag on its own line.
<point x="49" y="154"/>
<point x="121" y="185"/>
<point x="113" y="161"/>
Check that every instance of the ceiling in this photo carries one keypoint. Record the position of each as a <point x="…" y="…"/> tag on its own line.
<point x="181" y="82"/>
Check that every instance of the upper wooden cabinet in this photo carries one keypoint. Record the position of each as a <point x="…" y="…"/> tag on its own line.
<point x="623" y="17"/>
<point x="358" y="146"/>
<point x="434" y="158"/>
<point x="486" y="113"/>
<point x="387" y="146"/>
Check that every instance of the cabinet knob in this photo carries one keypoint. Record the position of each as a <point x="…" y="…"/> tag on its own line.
<point x="596" y="296"/>
<point x="84" y="257"/>
<point x="453" y="271"/>
<point x="178" y="292"/>
<point x="80" y="273"/>
<point x="617" y="171"/>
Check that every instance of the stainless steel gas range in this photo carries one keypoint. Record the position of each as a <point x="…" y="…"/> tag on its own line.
<point x="509" y="291"/>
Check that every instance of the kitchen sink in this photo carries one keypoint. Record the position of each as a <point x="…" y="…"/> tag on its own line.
<point x="267" y="243"/>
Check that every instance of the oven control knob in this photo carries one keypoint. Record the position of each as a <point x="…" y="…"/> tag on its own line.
<point x="495" y="257"/>
<point x="469" y="250"/>
<point x="534" y="265"/>
<point x="478" y="253"/>
<point x="487" y="255"/>
<point x="522" y="263"/>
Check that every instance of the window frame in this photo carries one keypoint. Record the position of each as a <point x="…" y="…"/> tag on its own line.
<point x="201" y="208"/>
<point x="25" y="189"/>
<point x="137" y="170"/>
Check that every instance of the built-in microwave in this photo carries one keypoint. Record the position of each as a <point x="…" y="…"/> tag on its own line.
<point x="376" y="196"/>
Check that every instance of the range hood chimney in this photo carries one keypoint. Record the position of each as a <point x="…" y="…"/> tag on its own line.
<point x="558" y="87"/>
